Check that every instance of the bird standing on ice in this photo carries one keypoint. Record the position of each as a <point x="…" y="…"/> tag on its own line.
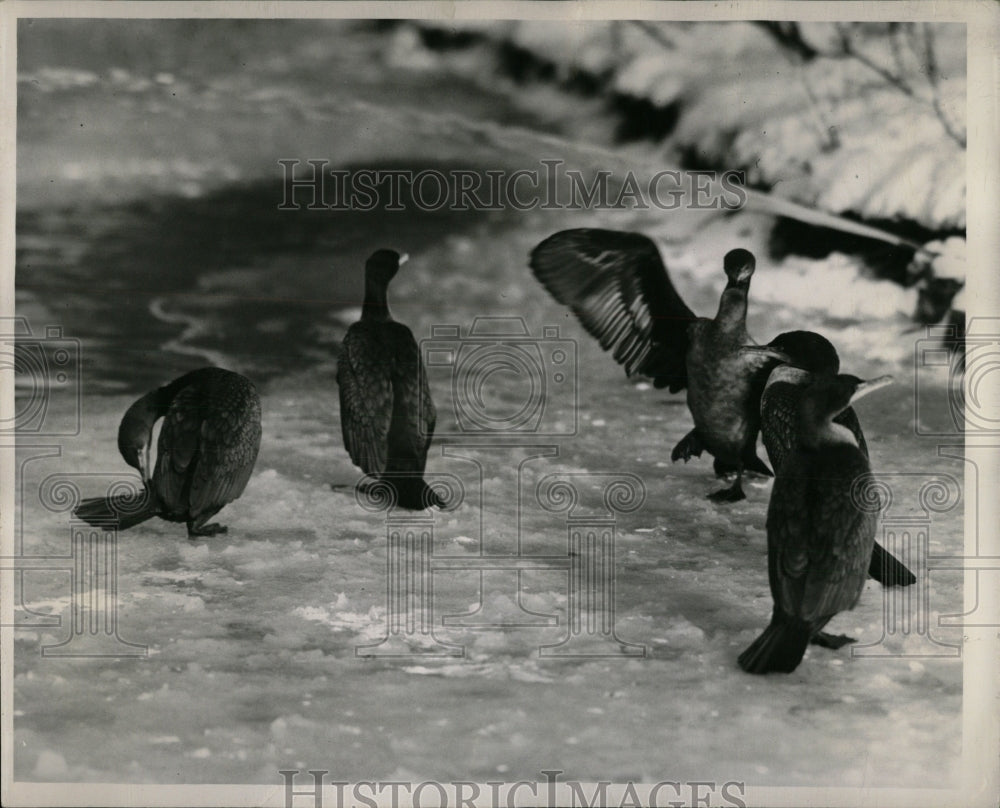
<point x="618" y="287"/>
<point x="206" y="451"/>
<point x="811" y="355"/>
<point x="386" y="413"/>
<point x="819" y="541"/>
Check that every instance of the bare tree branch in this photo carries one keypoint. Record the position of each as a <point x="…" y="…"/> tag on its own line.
<point x="789" y="36"/>
<point x="654" y="32"/>
<point x="925" y="54"/>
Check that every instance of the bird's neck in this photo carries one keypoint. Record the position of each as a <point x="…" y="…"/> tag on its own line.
<point x="826" y="433"/>
<point x="376" y="305"/>
<point x="788" y="374"/>
<point x="733" y="306"/>
<point x="139" y="419"/>
<point x="152" y="406"/>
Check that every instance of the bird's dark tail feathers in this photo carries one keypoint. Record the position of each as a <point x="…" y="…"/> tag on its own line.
<point x="889" y="570"/>
<point x="121" y="511"/>
<point x="414" y="494"/>
<point x="780" y="648"/>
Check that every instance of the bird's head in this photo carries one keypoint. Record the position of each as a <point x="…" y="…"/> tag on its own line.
<point x="383" y="265"/>
<point x="135" y="435"/>
<point x="739" y="266"/>
<point x="809" y="351"/>
<point x="828" y="396"/>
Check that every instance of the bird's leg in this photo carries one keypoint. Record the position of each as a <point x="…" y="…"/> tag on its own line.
<point x="834" y="641"/>
<point x="723" y="469"/>
<point x="732" y="494"/>
<point x="688" y="447"/>
<point x="197" y="527"/>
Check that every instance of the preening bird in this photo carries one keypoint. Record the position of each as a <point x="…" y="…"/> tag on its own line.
<point x="386" y="413"/>
<point x="205" y="454"/>
<point x="819" y="541"/>
<point x="810" y="356"/>
<point x="618" y="287"/>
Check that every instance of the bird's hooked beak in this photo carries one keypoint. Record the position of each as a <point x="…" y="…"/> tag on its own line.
<point x="744" y="272"/>
<point x="870" y="386"/>
<point x="768" y="351"/>
<point x="404" y="258"/>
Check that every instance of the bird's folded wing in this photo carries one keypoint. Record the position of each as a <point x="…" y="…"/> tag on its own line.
<point x="365" y="381"/>
<point x="787" y="548"/>
<point x="229" y="441"/>
<point x="618" y="287"/>
<point x="413" y="402"/>
<point x="778" y="415"/>
<point x="840" y="552"/>
<point x="177" y="448"/>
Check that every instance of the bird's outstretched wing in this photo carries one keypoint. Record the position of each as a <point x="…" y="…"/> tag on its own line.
<point x="364" y="376"/>
<point x="618" y="287"/>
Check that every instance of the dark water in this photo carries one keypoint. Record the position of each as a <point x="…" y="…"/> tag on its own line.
<point x="154" y="286"/>
<point x="148" y="186"/>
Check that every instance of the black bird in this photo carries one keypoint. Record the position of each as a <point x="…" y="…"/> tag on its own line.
<point x="618" y="287"/>
<point x="819" y="542"/>
<point x="206" y="451"/>
<point x="811" y="355"/>
<point x="386" y="413"/>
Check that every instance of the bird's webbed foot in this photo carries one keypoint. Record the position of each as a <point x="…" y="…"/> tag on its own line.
<point x="688" y="447"/>
<point x="732" y="494"/>
<point x="833" y="641"/>
<point x="196" y="531"/>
